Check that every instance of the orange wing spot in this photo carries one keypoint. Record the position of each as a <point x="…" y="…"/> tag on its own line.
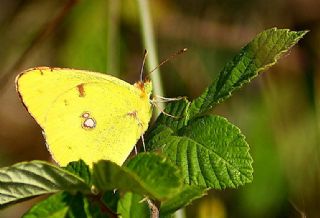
<point x="140" y="85"/>
<point x="81" y="90"/>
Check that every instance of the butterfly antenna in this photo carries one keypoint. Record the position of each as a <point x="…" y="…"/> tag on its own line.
<point x="168" y="59"/>
<point x="143" y="62"/>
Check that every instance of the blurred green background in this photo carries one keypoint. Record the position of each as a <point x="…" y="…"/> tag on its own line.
<point x="278" y="112"/>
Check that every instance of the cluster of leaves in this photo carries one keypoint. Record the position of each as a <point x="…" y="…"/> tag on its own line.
<point x="187" y="155"/>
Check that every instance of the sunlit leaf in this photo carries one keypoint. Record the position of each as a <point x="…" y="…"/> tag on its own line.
<point x="29" y="179"/>
<point x="133" y="206"/>
<point x="211" y="152"/>
<point x="81" y="169"/>
<point x="182" y="199"/>
<point x="146" y="174"/>
<point x="261" y="53"/>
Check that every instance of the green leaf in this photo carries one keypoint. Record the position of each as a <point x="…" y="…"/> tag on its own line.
<point x="165" y="125"/>
<point x="110" y="199"/>
<point x="158" y="173"/>
<point x="55" y="206"/>
<point x="29" y="179"/>
<point x="64" y="204"/>
<point x="262" y="52"/>
<point x="133" y="206"/>
<point x="211" y="152"/>
<point x="146" y="174"/>
<point x="182" y="199"/>
<point x="81" y="169"/>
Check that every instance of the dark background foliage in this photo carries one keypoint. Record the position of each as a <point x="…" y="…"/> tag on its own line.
<point x="278" y="112"/>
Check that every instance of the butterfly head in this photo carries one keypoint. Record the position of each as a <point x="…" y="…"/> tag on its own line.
<point x="145" y="87"/>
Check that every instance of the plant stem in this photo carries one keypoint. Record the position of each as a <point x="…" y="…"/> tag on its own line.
<point x="104" y="208"/>
<point x="112" y="65"/>
<point x="149" y="43"/>
<point x="154" y="208"/>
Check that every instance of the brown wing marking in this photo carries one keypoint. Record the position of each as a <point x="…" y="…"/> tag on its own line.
<point x="81" y="90"/>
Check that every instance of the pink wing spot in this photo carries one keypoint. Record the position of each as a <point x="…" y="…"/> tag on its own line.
<point x="89" y="123"/>
<point x="81" y="90"/>
<point x="85" y="115"/>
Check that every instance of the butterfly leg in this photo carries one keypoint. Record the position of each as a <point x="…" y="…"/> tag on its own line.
<point x="135" y="150"/>
<point x="134" y="114"/>
<point x="161" y="99"/>
<point x="158" y="98"/>
<point x="143" y="144"/>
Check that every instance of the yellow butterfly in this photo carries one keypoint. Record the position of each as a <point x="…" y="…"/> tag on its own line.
<point x="86" y="115"/>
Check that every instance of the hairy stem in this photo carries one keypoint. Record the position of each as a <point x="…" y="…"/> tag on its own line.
<point x="154" y="208"/>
